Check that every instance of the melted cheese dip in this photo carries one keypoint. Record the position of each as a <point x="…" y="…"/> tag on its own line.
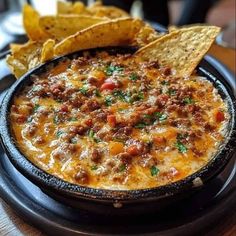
<point x="114" y="122"/>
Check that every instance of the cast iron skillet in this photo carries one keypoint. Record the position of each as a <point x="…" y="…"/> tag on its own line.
<point x="114" y="201"/>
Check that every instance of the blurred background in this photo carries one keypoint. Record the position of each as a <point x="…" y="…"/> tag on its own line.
<point x="164" y="12"/>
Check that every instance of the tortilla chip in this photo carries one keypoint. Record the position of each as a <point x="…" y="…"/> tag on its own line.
<point x="47" y="50"/>
<point x="146" y="35"/>
<point x="107" y="11"/>
<point x="70" y="8"/>
<point x="182" y="49"/>
<point x="15" y="47"/>
<point x="31" y="24"/>
<point x="172" y="28"/>
<point x="25" y="58"/>
<point x="112" y="33"/>
<point x="62" y="26"/>
<point x="96" y="9"/>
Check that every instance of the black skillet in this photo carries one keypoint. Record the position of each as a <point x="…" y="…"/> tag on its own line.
<point x="120" y="202"/>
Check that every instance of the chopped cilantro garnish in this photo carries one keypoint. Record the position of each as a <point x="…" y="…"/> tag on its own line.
<point x="149" y="119"/>
<point x="36" y="107"/>
<point x="59" y="133"/>
<point x="179" y="144"/>
<point x="181" y="147"/>
<point x="128" y="96"/>
<point x="140" y="96"/>
<point x="36" y="88"/>
<point x="154" y="170"/>
<point x="188" y="101"/>
<point x="73" y="119"/>
<point x="165" y="82"/>
<point x="171" y="92"/>
<point x="122" y="168"/>
<point x="111" y="69"/>
<point x="133" y="77"/>
<point x="97" y="93"/>
<point x="123" y="96"/>
<point x="94" y="167"/>
<point x="30" y="119"/>
<point x="160" y="116"/>
<point x="84" y="89"/>
<point x="108" y="101"/>
<point x="56" y="120"/>
<point x="73" y="140"/>
<point x="140" y="125"/>
<point x="91" y="135"/>
<point x="97" y="140"/>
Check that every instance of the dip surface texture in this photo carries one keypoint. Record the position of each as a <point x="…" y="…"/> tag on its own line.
<point x="114" y="122"/>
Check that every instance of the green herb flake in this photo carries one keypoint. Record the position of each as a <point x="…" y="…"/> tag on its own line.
<point x="133" y="77"/>
<point x="56" y="120"/>
<point x="91" y="133"/>
<point x="181" y="147"/>
<point x="73" y="140"/>
<point x="111" y="69"/>
<point x="97" y="140"/>
<point x="36" y="88"/>
<point x="36" y="107"/>
<point x="73" y="119"/>
<point x="94" y="167"/>
<point x="84" y="89"/>
<point x="171" y="92"/>
<point x="160" y="116"/>
<point x="122" y="168"/>
<point x="165" y="83"/>
<point x="140" y="125"/>
<point x="29" y="119"/>
<point x="108" y="101"/>
<point x="140" y="96"/>
<point x="154" y="170"/>
<point x="188" y="101"/>
<point x="59" y="133"/>
<point x="97" y="93"/>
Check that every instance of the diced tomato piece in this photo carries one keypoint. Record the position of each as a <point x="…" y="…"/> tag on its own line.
<point x="89" y="122"/>
<point x="220" y="116"/>
<point x="111" y="119"/>
<point x="108" y="86"/>
<point x="64" y="108"/>
<point x="158" y="140"/>
<point x="133" y="150"/>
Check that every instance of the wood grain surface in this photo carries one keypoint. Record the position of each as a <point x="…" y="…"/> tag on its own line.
<point x="12" y="225"/>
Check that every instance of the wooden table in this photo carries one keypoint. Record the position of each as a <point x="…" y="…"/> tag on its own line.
<point x="12" y="225"/>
